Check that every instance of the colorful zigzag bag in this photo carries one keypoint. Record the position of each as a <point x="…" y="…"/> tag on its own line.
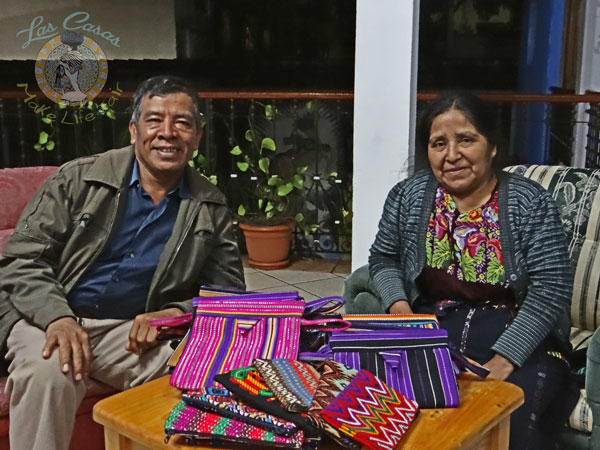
<point x="371" y="413"/>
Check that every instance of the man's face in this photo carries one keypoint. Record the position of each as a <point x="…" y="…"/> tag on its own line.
<point x="166" y="134"/>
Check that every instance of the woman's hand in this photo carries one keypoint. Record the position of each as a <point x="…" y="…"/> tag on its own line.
<point x="400" y="307"/>
<point x="500" y="367"/>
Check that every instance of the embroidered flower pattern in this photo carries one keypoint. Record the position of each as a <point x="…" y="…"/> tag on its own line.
<point x="466" y="245"/>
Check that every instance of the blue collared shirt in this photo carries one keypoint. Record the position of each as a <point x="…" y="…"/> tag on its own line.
<point x="116" y="285"/>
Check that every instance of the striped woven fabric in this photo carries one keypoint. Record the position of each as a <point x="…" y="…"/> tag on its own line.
<point x="386" y="320"/>
<point x="414" y="361"/>
<point x="202" y="426"/>
<point x="228" y="334"/>
<point x="577" y="194"/>
<point x="293" y="382"/>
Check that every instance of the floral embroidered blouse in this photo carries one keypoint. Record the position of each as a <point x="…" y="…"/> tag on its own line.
<point x="464" y="255"/>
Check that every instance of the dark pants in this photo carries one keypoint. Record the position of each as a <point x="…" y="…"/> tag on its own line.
<point x="543" y="378"/>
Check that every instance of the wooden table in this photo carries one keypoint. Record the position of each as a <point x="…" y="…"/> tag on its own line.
<point x="134" y="419"/>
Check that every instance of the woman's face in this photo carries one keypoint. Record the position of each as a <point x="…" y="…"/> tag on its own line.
<point x="460" y="157"/>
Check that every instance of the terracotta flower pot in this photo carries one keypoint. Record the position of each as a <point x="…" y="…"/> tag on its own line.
<point x="268" y="246"/>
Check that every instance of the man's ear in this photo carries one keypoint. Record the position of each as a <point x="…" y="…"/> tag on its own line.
<point x="132" y="132"/>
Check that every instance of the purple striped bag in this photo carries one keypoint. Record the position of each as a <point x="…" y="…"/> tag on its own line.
<point x="231" y="332"/>
<point x="413" y="361"/>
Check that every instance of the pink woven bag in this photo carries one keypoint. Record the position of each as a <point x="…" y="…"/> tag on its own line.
<point x="230" y="332"/>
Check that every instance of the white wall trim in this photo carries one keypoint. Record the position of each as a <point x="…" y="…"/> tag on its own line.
<point x="384" y="110"/>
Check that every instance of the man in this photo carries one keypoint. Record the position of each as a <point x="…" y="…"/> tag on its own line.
<point x="108" y="243"/>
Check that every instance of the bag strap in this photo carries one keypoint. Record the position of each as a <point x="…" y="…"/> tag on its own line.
<point x="465" y="364"/>
<point x="325" y="305"/>
<point x="172" y="321"/>
<point x="324" y="352"/>
<point x="323" y="324"/>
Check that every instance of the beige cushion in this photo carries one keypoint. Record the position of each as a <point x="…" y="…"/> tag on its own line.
<point x="576" y="192"/>
<point x="580" y="339"/>
<point x="581" y="417"/>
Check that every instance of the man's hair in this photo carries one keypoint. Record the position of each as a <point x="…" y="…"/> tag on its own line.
<point x="162" y="85"/>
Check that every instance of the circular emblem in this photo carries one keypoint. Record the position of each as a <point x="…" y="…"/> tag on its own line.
<point x="71" y="68"/>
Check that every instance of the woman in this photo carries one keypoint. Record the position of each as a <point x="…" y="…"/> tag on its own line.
<point x="486" y="252"/>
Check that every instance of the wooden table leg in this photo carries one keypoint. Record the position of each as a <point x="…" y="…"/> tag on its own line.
<point x="115" y="441"/>
<point x="500" y="435"/>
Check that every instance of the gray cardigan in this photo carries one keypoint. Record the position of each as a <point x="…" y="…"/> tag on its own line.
<point x="536" y="258"/>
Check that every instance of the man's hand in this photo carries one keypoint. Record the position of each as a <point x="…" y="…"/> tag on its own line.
<point x="500" y="367"/>
<point x="400" y="307"/>
<point x="73" y="346"/>
<point x="142" y="336"/>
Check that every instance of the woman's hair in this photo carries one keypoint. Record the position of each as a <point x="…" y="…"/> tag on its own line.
<point x="476" y="111"/>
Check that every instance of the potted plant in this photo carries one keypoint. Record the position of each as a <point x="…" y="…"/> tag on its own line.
<point x="267" y="197"/>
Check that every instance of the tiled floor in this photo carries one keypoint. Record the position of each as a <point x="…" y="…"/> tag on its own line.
<point x="312" y="278"/>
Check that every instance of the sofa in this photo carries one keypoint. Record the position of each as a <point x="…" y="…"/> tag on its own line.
<point x="17" y="186"/>
<point x="577" y="194"/>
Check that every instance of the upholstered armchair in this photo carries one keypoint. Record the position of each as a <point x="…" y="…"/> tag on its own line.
<point x="17" y="186"/>
<point x="577" y="194"/>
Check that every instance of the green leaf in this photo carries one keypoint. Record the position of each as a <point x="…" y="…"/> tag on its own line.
<point x="264" y="164"/>
<point x="242" y="166"/>
<point x="269" y="207"/>
<point x="274" y="180"/>
<point x="50" y="145"/>
<point x="298" y="181"/>
<point x="201" y="160"/>
<point x="38" y="147"/>
<point x="269" y="112"/>
<point x="62" y="105"/>
<point x="111" y="114"/>
<point x="241" y="211"/>
<point x="299" y="217"/>
<point x="195" y="153"/>
<point x="103" y="106"/>
<point x="333" y="174"/>
<point x="310" y="105"/>
<point x="345" y="213"/>
<point x="478" y="258"/>
<point x="191" y="163"/>
<point x="260" y="203"/>
<point x="46" y="120"/>
<point x="90" y="104"/>
<point x="280" y="207"/>
<point x="467" y="266"/>
<point x="495" y="271"/>
<point x="236" y="150"/>
<point x="268" y="143"/>
<point x="43" y="137"/>
<point x="249" y="136"/>
<point x="213" y="179"/>
<point x="302" y="170"/>
<point x="270" y="214"/>
<point x="285" y="189"/>
<point x="441" y="254"/>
